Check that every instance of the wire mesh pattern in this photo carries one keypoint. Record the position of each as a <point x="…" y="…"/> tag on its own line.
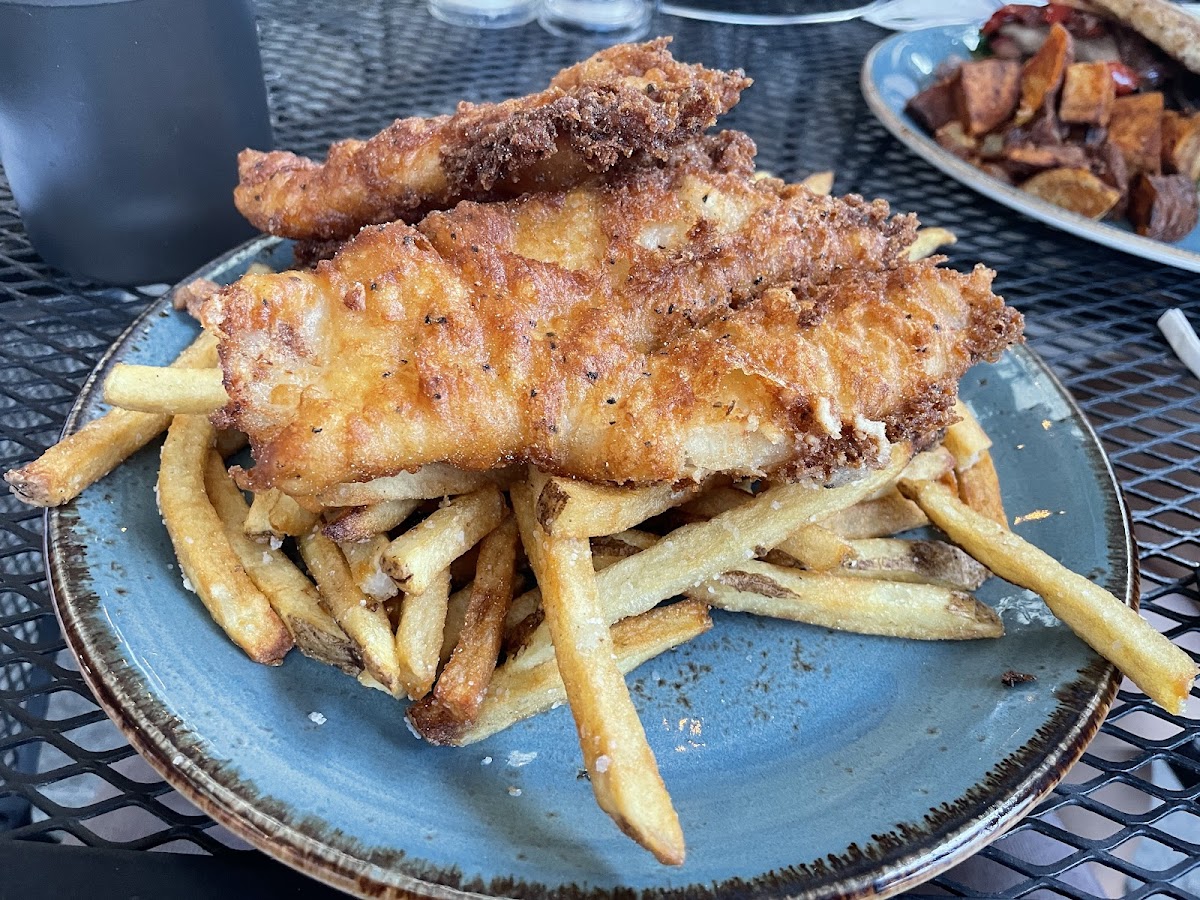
<point x="1125" y="822"/>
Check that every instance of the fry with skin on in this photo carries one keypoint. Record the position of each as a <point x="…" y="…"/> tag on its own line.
<point x="1108" y="626"/>
<point x="83" y="458"/>
<point x="291" y="594"/>
<point x="916" y="562"/>
<point x="461" y="687"/>
<point x="515" y="694"/>
<point x="419" y="634"/>
<point x="165" y="389"/>
<point x="363" y="523"/>
<point x="205" y="556"/>
<point x="420" y="554"/>
<point x="621" y="766"/>
<point x="366" y="623"/>
<point x="612" y="548"/>
<point x="699" y="551"/>
<point x="430" y="482"/>
<point x="569" y="508"/>
<point x="894" y="609"/>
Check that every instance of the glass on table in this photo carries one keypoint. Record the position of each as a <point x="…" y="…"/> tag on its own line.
<point x="484" y="13"/>
<point x="120" y="125"/>
<point x="612" y="20"/>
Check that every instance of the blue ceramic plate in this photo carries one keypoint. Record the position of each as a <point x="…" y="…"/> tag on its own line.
<point x="803" y="762"/>
<point x="902" y="65"/>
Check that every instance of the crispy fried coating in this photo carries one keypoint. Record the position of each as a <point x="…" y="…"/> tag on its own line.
<point x="629" y="99"/>
<point x="678" y="320"/>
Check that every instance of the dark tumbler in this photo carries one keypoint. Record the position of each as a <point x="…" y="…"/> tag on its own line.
<point x="120" y="124"/>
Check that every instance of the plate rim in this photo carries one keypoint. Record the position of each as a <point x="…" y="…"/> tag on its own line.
<point x="154" y="732"/>
<point x="909" y="134"/>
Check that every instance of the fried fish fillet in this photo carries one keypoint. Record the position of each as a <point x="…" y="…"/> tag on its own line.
<point x="676" y="321"/>
<point x="631" y="98"/>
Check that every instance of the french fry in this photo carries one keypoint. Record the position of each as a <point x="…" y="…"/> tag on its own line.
<point x="569" y="508"/>
<point x="694" y="553"/>
<point x="231" y="441"/>
<point x="819" y="183"/>
<point x="291" y="594"/>
<point x="612" y="548"/>
<point x="979" y="488"/>
<point x="623" y="772"/>
<point x="365" y="559"/>
<point x="817" y="548"/>
<point x="429" y="482"/>
<point x="713" y="502"/>
<point x="1108" y="626"/>
<point x="424" y="551"/>
<point x="289" y="519"/>
<point x="893" y="609"/>
<point x="515" y="694"/>
<point x="258" y="520"/>
<point x="209" y="565"/>
<point x="419" y="634"/>
<point x="275" y="514"/>
<point x="461" y="687"/>
<point x="365" y="623"/>
<point x="456" y="617"/>
<point x="83" y="458"/>
<point x="164" y="389"/>
<point x="929" y="241"/>
<point x="885" y="515"/>
<point x="965" y="439"/>
<point x="917" y="562"/>
<point x="367" y="521"/>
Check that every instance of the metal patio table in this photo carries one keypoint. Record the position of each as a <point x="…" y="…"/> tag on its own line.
<point x="79" y="811"/>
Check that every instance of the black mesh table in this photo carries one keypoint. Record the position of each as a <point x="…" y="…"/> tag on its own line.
<point x="80" y="811"/>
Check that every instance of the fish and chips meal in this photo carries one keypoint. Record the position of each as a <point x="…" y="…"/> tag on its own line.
<point x="1093" y="106"/>
<point x="572" y="374"/>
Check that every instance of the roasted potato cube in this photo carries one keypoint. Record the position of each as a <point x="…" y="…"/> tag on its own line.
<point x="953" y="137"/>
<point x="1135" y="128"/>
<point x="1028" y="160"/>
<point x="1181" y="144"/>
<point x="988" y="91"/>
<point x="1088" y="94"/>
<point x="1077" y="190"/>
<point x="1042" y="75"/>
<point x="1163" y="206"/>
<point x="936" y="105"/>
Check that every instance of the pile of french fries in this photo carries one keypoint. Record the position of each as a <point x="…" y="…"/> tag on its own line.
<point x="488" y="597"/>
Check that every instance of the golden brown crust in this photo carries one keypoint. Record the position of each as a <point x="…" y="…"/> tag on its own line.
<point x="677" y="320"/>
<point x="626" y="100"/>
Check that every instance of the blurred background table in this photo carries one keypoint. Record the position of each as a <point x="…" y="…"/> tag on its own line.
<point x="80" y="811"/>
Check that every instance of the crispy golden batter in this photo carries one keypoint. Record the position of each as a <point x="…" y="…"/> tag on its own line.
<point x="632" y="98"/>
<point x="679" y="320"/>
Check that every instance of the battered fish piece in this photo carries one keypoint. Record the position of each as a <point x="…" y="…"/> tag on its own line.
<point x="678" y="321"/>
<point x="629" y="99"/>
